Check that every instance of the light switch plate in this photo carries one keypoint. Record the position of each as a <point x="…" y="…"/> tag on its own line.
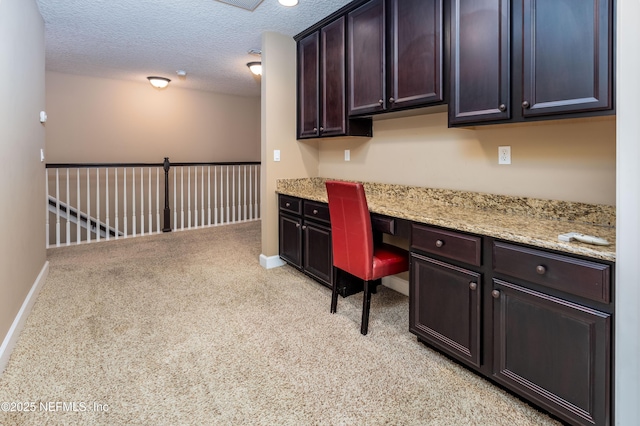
<point x="347" y="155"/>
<point x="276" y="155"/>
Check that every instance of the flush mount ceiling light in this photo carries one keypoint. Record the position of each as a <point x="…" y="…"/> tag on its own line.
<point x="255" y="67"/>
<point x="288" y="3"/>
<point x="158" y="82"/>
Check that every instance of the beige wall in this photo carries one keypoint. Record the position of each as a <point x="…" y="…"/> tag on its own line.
<point x="102" y="120"/>
<point x="279" y="132"/>
<point x="571" y="160"/>
<point x="22" y="97"/>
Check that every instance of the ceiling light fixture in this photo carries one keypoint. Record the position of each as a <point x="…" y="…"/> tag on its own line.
<point x="288" y="3"/>
<point x="158" y="82"/>
<point x="255" y="67"/>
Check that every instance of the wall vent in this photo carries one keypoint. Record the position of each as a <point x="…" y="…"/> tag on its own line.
<point x="249" y="5"/>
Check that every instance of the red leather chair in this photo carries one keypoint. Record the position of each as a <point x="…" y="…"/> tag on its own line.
<point x="353" y="247"/>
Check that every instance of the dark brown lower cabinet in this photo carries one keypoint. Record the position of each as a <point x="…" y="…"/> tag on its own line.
<point x="444" y="307"/>
<point x="318" y="260"/>
<point x="305" y="237"/>
<point x="553" y="352"/>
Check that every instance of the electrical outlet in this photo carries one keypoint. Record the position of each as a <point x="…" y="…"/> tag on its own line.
<point x="504" y="155"/>
<point x="347" y="155"/>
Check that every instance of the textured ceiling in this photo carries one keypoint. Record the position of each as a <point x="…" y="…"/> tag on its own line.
<point x="132" y="39"/>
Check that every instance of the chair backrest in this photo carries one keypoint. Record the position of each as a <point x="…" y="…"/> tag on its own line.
<point x="351" y="233"/>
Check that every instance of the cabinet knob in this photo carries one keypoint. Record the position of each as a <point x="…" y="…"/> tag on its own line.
<point x="525" y="104"/>
<point x="288" y="205"/>
<point x="392" y="100"/>
<point x="495" y="294"/>
<point x="540" y="269"/>
<point x="304" y="226"/>
<point x="297" y="225"/>
<point x="315" y="129"/>
<point x="439" y="243"/>
<point x="321" y="129"/>
<point x="315" y="211"/>
<point x="381" y="102"/>
<point x="502" y="107"/>
<point x="473" y="286"/>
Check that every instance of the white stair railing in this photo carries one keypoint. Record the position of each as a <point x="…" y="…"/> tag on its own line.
<point x="78" y="196"/>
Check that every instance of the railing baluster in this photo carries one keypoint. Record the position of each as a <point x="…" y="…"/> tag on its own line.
<point x="195" y="195"/>
<point x="57" y="208"/>
<point x="175" y="204"/>
<point x="141" y="201"/>
<point x="134" y="218"/>
<point x="233" y="194"/>
<point x="202" y="195"/>
<point x="97" y="204"/>
<point x="46" y="208"/>
<point x="158" y="227"/>
<point x="68" y="228"/>
<point x="182" y="198"/>
<point x="189" y="196"/>
<point x="125" y="216"/>
<point x="255" y="204"/>
<point x="106" y="179"/>
<point x="150" y="228"/>
<point x="78" y="232"/>
<point x="215" y="195"/>
<point x="244" y="193"/>
<point x="116" y="205"/>
<point x="209" y="194"/>
<point x="250" y="193"/>
<point x="88" y="205"/>
<point x="228" y="212"/>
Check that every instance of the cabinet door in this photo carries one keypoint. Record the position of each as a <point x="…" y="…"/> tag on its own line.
<point x="415" y="65"/>
<point x="480" y="61"/>
<point x="318" y="259"/>
<point x="553" y="352"/>
<point x="291" y="240"/>
<point x="309" y="86"/>
<point x="334" y="112"/>
<point x="366" y="47"/>
<point x="444" y="307"/>
<point x="567" y="54"/>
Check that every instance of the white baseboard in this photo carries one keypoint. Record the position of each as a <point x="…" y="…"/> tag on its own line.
<point x="268" y="262"/>
<point x="395" y="283"/>
<point x="18" y="323"/>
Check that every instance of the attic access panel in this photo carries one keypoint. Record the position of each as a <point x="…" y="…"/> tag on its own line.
<point x="249" y="5"/>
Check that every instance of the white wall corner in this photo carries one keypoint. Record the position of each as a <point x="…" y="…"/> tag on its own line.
<point x="269" y="262"/>
<point x="18" y="323"/>
<point x="396" y="283"/>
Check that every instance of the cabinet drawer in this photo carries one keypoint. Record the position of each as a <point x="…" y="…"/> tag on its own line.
<point x="575" y="276"/>
<point x="290" y="204"/>
<point x="383" y="224"/>
<point x="318" y="211"/>
<point x="452" y="245"/>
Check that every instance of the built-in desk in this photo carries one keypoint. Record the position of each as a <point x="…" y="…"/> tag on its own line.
<point x="491" y="286"/>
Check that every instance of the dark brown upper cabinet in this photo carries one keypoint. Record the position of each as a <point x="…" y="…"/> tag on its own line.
<point x="530" y="59"/>
<point x="321" y="85"/>
<point x="394" y="55"/>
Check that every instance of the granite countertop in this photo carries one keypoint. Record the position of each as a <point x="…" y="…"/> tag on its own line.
<point x="531" y="221"/>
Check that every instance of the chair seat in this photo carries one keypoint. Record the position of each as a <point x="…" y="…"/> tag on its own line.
<point x="388" y="260"/>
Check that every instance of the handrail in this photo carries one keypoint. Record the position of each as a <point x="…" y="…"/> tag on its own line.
<point x="224" y="192"/>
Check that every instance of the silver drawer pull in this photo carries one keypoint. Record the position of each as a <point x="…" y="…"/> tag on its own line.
<point x="288" y="205"/>
<point x="473" y="286"/>
<point x="495" y="294"/>
<point x="315" y="211"/>
<point x="439" y="243"/>
<point x="540" y="269"/>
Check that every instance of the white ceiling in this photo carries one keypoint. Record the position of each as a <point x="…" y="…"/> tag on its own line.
<point x="132" y="39"/>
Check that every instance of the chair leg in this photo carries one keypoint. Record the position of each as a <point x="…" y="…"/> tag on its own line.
<point x="366" y="303"/>
<point x="334" y="290"/>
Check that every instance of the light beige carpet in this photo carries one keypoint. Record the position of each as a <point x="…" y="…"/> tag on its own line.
<point x="186" y="328"/>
